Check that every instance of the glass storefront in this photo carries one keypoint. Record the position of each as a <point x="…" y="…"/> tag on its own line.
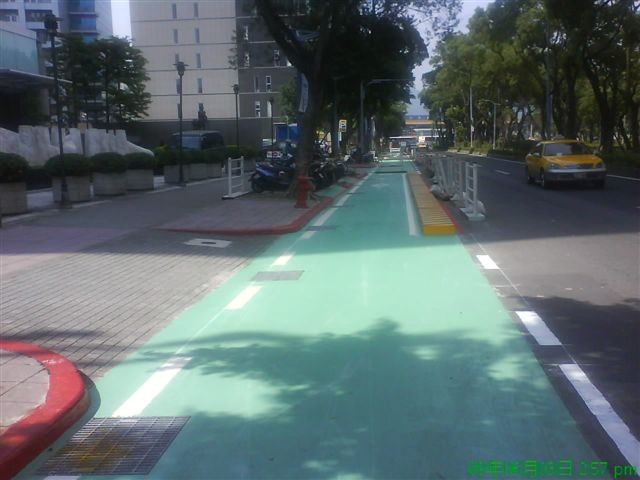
<point x="18" y="52"/>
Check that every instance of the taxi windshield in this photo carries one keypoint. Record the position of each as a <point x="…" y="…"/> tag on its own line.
<point x="566" y="149"/>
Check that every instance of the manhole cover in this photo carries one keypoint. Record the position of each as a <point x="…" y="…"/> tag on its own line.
<point x="208" y="242"/>
<point x="115" y="446"/>
<point x="276" y="276"/>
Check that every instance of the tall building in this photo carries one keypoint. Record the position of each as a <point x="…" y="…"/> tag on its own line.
<point x="89" y="18"/>
<point x="223" y="44"/>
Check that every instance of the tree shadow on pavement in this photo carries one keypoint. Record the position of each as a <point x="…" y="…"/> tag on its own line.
<point x="377" y="403"/>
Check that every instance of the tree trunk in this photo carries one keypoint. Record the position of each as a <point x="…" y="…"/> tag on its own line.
<point x="623" y="133"/>
<point x="571" y="128"/>
<point x="634" y="127"/>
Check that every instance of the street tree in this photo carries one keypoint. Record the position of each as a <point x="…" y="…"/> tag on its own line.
<point x="310" y="42"/>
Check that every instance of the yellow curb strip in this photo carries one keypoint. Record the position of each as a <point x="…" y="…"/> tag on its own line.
<point x="433" y="219"/>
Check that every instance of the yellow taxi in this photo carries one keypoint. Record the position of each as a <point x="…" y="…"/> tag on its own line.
<point x="559" y="161"/>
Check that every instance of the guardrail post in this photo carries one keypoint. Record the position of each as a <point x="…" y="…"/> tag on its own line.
<point x="472" y="204"/>
<point x="235" y="178"/>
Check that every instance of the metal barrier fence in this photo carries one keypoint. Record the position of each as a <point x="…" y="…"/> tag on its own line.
<point x="458" y="179"/>
<point x="235" y="178"/>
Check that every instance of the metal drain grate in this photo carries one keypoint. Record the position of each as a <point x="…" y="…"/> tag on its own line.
<point x="208" y="242"/>
<point x="276" y="276"/>
<point x="115" y="446"/>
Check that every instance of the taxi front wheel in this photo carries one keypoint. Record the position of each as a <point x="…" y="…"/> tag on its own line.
<point x="530" y="179"/>
<point x="544" y="183"/>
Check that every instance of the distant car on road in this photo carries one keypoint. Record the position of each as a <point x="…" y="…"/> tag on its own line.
<point x="557" y="161"/>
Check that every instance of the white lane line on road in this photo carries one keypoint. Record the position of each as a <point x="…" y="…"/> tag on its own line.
<point x="487" y="262"/>
<point x="606" y="415"/>
<point x="341" y="202"/>
<point x="152" y="387"/>
<point x="282" y="260"/>
<point x="503" y="172"/>
<point x="21" y="217"/>
<point x="408" y="202"/>
<point x="624" y="178"/>
<point x="243" y="297"/>
<point x="324" y="217"/>
<point x="538" y="328"/>
<point x="307" y="235"/>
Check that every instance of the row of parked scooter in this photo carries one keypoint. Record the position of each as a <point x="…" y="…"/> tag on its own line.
<point x="277" y="174"/>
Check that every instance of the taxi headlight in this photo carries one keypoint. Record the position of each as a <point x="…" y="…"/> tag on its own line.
<point x="554" y="165"/>
<point x="599" y="165"/>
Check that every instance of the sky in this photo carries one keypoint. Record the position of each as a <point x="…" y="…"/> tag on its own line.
<point x="122" y="28"/>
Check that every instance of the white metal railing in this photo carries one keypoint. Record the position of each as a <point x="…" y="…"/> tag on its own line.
<point x="458" y="181"/>
<point x="235" y="178"/>
<point x="473" y="208"/>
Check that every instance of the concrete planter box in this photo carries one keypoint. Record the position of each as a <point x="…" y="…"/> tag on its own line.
<point x="13" y="198"/>
<point x="139" y="179"/>
<point x="79" y="189"/>
<point x="197" y="171"/>
<point x="214" y="170"/>
<point x="109" y="184"/>
<point x="172" y="173"/>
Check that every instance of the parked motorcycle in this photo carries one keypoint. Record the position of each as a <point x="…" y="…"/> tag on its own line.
<point x="276" y="175"/>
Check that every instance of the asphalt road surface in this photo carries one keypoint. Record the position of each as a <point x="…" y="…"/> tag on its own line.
<point x="573" y="255"/>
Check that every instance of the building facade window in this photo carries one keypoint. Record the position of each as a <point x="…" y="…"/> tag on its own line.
<point x="199" y="85"/>
<point x="174" y="10"/>
<point x="247" y="60"/>
<point x="197" y="35"/>
<point x="82" y="23"/>
<point x="267" y="83"/>
<point x="175" y="35"/>
<point x="258" y="108"/>
<point x="9" y="15"/>
<point x="198" y="61"/>
<point x="246" y="32"/>
<point x="34" y="15"/>
<point x="276" y="58"/>
<point x="256" y="83"/>
<point x="196" y="12"/>
<point x="269" y="112"/>
<point x="201" y="106"/>
<point x="178" y="86"/>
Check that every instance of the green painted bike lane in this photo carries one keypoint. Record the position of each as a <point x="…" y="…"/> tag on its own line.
<point x="389" y="357"/>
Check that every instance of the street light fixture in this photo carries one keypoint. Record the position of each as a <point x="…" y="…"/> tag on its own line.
<point x="271" y="111"/>
<point x="494" y="118"/>
<point x="363" y="87"/>
<point x="180" y="67"/>
<point x="51" y="26"/>
<point x="236" y="91"/>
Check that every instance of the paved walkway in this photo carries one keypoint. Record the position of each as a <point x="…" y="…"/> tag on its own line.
<point x="95" y="282"/>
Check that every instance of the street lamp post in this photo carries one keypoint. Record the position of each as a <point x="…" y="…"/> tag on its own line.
<point x="236" y="90"/>
<point x="363" y="88"/>
<point x="180" y="67"/>
<point x="271" y="103"/>
<point x="51" y="26"/>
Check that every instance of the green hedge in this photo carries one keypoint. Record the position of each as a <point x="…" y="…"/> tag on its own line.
<point x="621" y="158"/>
<point x="140" y="161"/>
<point x="13" y="168"/>
<point x="75" y="165"/>
<point x="108" y="162"/>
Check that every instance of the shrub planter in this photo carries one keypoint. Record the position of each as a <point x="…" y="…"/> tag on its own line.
<point x="13" y="198"/>
<point x="172" y="173"/>
<point x="109" y="177"/>
<point x="109" y="184"/>
<point x="138" y="179"/>
<point x="197" y="171"/>
<point x="139" y="175"/>
<point x="13" y="187"/>
<point x="79" y="188"/>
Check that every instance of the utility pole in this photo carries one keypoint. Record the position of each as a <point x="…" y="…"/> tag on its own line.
<point x="471" y="114"/>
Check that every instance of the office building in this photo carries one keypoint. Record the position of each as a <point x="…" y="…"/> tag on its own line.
<point x="223" y="43"/>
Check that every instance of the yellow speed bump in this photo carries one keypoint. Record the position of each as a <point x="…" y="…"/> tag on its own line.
<point x="433" y="219"/>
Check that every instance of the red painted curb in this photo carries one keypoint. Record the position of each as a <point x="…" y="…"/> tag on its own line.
<point x="66" y="401"/>
<point x="294" y="226"/>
